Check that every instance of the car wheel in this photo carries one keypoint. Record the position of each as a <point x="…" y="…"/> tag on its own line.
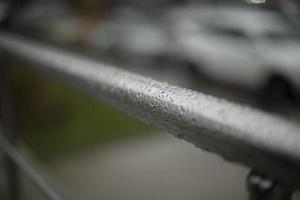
<point x="193" y="71"/>
<point x="277" y="92"/>
<point x="296" y="95"/>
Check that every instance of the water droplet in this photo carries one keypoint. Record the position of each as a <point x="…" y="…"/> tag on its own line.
<point x="179" y="135"/>
<point x="181" y="108"/>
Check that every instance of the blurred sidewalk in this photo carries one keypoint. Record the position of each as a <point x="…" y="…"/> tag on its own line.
<point x="150" y="168"/>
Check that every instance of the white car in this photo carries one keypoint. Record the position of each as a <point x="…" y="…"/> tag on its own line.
<point x="251" y="48"/>
<point x="129" y="34"/>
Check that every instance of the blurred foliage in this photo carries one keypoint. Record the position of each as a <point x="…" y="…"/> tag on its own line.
<point x="53" y="118"/>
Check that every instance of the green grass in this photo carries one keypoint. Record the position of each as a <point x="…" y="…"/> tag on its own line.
<point x="55" y="119"/>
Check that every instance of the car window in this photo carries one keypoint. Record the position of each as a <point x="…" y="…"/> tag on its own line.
<point x="227" y="32"/>
<point x="281" y="36"/>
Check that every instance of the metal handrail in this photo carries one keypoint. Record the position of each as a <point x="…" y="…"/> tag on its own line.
<point x="241" y="134"/>
<point x="11" y="152"/>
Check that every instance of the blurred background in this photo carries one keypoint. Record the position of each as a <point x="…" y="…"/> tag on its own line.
<point x="247" y="51"/>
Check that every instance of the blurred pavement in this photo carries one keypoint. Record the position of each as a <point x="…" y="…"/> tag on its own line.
<point x="150" y="168"/>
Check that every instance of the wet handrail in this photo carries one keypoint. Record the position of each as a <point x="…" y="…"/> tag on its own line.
<point x="238" y="133"/>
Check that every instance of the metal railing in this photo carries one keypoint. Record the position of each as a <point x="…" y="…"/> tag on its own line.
<point x="261" y="141"/>
<point x="11" y="152"/>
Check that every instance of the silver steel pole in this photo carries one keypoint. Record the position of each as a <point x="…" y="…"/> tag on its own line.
<point x="241" y="134"/>
<point x="28" y="170"/>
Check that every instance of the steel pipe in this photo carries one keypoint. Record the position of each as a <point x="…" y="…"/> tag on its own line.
<point x="238" y="133"/>
<point x="12" y="153"/>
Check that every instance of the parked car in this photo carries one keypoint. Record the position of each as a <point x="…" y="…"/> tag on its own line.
<point x="251" y="48"/>
<point x="129" y="34"/>
<point x="54" y="21"/>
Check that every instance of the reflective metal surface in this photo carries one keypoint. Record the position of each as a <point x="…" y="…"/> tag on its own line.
<point x="238" y="133"/>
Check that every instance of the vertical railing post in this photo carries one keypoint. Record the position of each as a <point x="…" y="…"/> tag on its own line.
<point x="261" y="187"/>
<point x="8" y="124"/>
<point x="7" y="111"/>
